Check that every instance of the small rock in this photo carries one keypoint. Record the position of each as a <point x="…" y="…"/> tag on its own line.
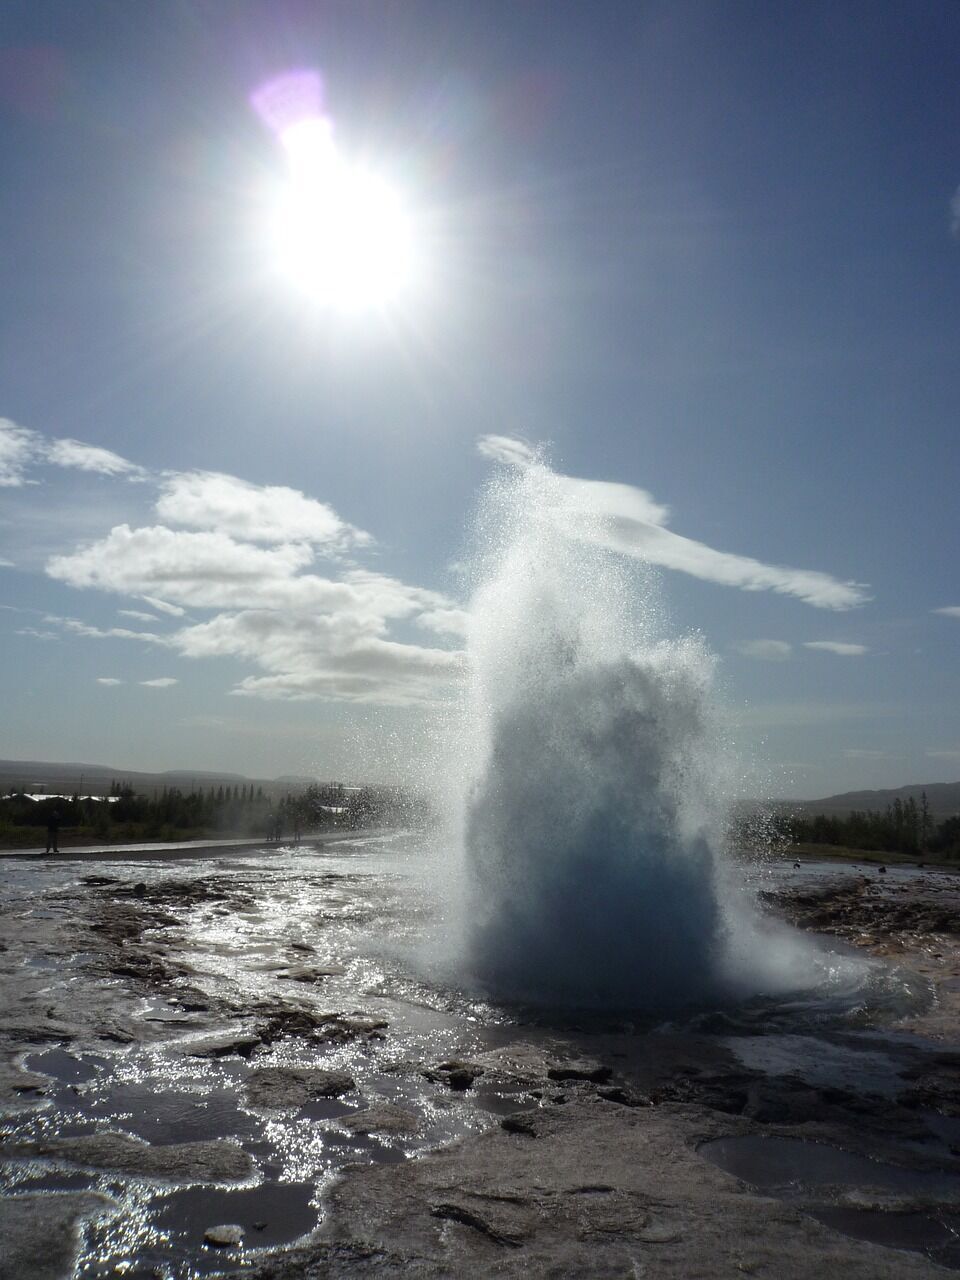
<point x="383" y="1119"/>
<point x="223" y="1046"/>
<point x="302" y="973"/>
<point x="227" y="1236"/>
<point x="625" y="1097"/>
<point x="456" y="1075"/>
<point x="580" y="1069"/>
<point x="531" y="1124"/>
<point x="658" y="1234"/>
<point x="222" y="1160"/>
<point x="294" y="1086"/>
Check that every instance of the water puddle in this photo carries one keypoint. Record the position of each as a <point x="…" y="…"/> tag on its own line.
<point x="791" y="1165"/>
<point x="916" y="1232"/>
<point x="160" y="1116"/>
<point x="818" y="1062"/>
<point x="165" y="1233"/>
<point x="905" y="1216"/>
<point x="66" y="1068"/>
<point x="271" y="1214"/>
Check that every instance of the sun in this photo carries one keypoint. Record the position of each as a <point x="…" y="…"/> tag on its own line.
<point x="338" y="232"/>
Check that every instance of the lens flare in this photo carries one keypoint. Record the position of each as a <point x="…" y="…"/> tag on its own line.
<point x="337" y="231"/>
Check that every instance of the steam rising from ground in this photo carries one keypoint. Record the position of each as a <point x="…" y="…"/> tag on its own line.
<point x="594" y="782"/>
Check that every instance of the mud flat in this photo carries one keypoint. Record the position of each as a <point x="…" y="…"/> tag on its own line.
<point x="234" y="1065"/>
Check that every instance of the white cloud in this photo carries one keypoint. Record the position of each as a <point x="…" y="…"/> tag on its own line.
<point x="89" y="457"/>
<point x="767" y="650"/>
<point x="508" y="450"/>
<point x="943" y="754"/>
<point x="445" y="622"/>
<point x="162" y="606"/>
<point x="837" y="646"/>
<point x="212" y="570"/>
<point x="255" y="513"/>
<point x="161" y="682"/>
<point x="200" y="569"/>
<point x="36" y="634"/>
<point x="672" y="551"/>
<point x="6" y="564"/>
<point x="865" y="753"/>
<point x="140" y="617"/>
<point x="627" y="520"/>
<point x="950" y="611"/>
<point x="108" y="680"/>
<point x="17" y="449"/>
<point x="341" y="655"/>
<point x="79" y="628"/>
<point x="311" y="636"/>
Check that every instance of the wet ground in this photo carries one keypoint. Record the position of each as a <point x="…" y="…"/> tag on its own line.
<point x="211" y="1043"/>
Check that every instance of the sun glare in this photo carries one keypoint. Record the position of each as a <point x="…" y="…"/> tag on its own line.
<point x="338" y="232"/>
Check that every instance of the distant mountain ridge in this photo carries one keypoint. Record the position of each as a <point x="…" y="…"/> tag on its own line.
<point x="71" y="776"/>
<point x="943" y="800"/>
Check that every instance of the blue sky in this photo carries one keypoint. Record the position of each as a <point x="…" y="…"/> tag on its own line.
<point x="710" y="251"/>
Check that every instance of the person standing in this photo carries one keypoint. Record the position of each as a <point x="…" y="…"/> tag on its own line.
<point x="53" y="830"/>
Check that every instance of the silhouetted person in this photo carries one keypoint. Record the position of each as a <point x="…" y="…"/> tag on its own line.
<point x="53" y="830"/>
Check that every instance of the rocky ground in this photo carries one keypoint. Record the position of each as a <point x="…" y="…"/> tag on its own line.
<point x="209" y="1069"/>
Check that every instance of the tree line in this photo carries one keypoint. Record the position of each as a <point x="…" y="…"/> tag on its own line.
<point x="902" y="827"/>
<point x="173" y="814"/>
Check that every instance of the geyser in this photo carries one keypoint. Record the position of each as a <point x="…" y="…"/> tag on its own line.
<point x="593" y="790"/>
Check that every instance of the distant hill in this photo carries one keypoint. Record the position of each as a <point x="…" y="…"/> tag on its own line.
<point x="73" y="776"/>
<point x="943" y="800"/>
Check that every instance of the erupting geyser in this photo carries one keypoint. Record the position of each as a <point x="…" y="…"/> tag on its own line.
<point x="592" y="802"/>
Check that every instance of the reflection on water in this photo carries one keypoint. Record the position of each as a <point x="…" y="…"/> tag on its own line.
<point x="287" y="937"/>
<point x="840" y="1188"/>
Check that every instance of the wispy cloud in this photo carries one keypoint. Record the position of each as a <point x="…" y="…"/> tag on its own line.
<point x="108" y="680"/>
<point x="628" y="520"/>
<point x="17" y="448"/>
<point x="161" y="682"/>
<point x="35" y="634"/>
<point x="162" y="606"/>
<point x="507" y="449"/>
<point x="140" y="617"/>
<point x="767" y="650"/>
<point x="89" y="457"/>
<point x="949" y="611"/>
<point x="955" y="213"/>
<point x="20" y="447"/>
<point x="865" y="753"/>
<point x="950" y="753"/>
<point x="253" y="513"/>
<point x="79" y="628"/>
<point x="6" y="564"/>
<point x="839" y="647"/>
